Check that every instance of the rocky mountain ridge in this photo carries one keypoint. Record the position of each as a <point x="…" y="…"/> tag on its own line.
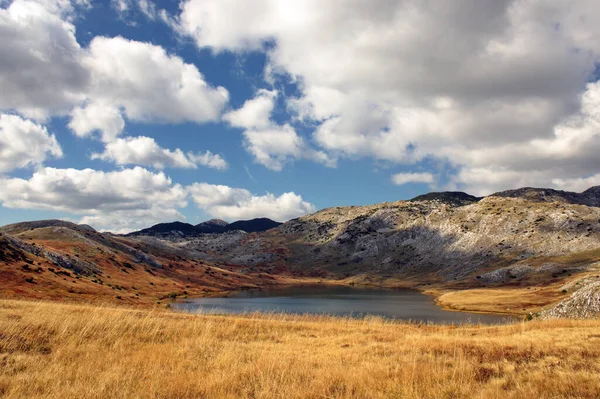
<point x="589" y="197"/>
<point x="213" y="226"/>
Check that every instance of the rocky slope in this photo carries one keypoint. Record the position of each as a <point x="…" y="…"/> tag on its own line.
<point x="61" y="260"/>
<point x="520" y="238"/>
<point x="429" y="237"/>
<point x="590" y="197"/>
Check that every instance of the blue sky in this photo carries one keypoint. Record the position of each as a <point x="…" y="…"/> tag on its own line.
<point x="126" y="113"/>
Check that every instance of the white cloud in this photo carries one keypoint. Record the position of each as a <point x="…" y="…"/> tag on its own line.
<point x="272" y="145"/>
<point x="135" y="198"/>
<point x="255" y="113"/>
<point x="121" y="6"/>
<point x="208" y="159"/>
<point x="237" y="203"/>
<point x="125" y="8"/>
<point x="100" y="117"/>
<point x="40" y="60"/>
<point x="492" y="87"/>
<point x="563" y="160"/>
<point x="404" y="178"/>
<point x="144" y="151"/>
<point x="107" y="198"/>
<point x="578" y="184"/>
<point x="24" y="143"/>
<point x="148" y="8"/>
<point x="150" y="85"/>
<point x="45" y="72"/>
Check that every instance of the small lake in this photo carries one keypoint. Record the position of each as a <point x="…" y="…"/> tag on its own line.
<point x="401" y="304"/>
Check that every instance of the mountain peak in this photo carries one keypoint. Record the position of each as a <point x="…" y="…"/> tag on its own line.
<point x="38" y="224"/>
<point x="213" y="226"/>
<point x="590" y="197"/>
<point x="178" y="228"/>
<point x="253" y="225"/>
<point x="449" y="197"/>
<point x="213" y="222"/>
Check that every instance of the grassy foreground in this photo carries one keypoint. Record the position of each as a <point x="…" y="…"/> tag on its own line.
<point x="53" y="350"/>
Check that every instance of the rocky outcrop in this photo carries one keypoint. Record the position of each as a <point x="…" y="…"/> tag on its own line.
<point x="584" y="303"/>
<point x="456" y="198"/>
<point x="75" y="264"/>
<point x="590" y="197"/>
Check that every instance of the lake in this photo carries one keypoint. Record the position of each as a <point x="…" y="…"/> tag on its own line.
<point x="401" y="304"/>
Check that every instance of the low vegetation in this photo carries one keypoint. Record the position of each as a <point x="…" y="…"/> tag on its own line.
<point x="54" y="350"/>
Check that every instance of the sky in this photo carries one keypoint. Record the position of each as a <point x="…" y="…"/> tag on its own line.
<point x="125" y="113"/>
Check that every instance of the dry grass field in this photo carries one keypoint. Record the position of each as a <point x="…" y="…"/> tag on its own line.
<point x="51" y="350"/>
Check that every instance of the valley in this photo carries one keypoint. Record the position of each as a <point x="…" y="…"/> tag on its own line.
<point x="516" y="252"/>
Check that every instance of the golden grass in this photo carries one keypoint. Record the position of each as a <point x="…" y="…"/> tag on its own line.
<point x="513" y="300"/>
<point x="50" y="350"/>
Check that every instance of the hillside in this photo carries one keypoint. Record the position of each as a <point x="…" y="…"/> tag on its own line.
<point x="513" y="244"/>
<point x="590" y="197"/>
<point x="61" y="260"/>
<point x="517" y="251"/>
<point x="456" y="198"/>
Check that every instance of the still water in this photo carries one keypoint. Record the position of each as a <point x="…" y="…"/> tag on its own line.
<point x="339" y="301"/>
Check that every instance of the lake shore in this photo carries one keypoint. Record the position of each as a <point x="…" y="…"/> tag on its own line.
<point x="336" y="300"/>
<point x="501" y="300"/>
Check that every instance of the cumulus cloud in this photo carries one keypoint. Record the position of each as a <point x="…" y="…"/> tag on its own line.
<point x="131" y="199"/>
<point x="24" y="143"/>
<point x="578" y="184"/>
<point x="105" y="197"/>
<point x="564" y="159"/>
<point x="272" y="145"/>
<point x="45" y="72"/>
<point x="41" y="71"/>
<point x="149" y="84"/>
<point x="208" y="159"/>
<point x="97" y="117"/>
<point x="144" y="151"/>
<point x="237" y="203"/>
<point x="404" y="178"/>
<point x="255" y="113"/>
<point x="461" y="82"/>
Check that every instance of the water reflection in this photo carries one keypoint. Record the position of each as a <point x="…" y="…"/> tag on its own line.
<point x="400" y="304"/>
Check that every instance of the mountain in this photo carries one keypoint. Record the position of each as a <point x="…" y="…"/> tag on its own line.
<point x="448" y="197"/>
<point x="253" y="225"/>
<point x="214" y="226"/>
<point x="54" y="259"/>
<point x="516" y="251"/>
<point x="174" y="228"/>
<point x="509" y="242"/>
<point x="37" y="224"/>
<point x="590" y="197"/>
<point x="449" y="234"/>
